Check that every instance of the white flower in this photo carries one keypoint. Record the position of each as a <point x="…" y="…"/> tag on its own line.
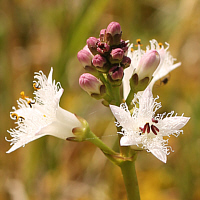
<point x="145" y="129"/>
<point x="42" y="115"/>
<point x="166" y="63"/>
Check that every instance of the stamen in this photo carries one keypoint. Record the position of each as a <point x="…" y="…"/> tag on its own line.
<point x="146" y="128"/>
<point x="21" y="119"/>
<point x="15" y="116"/>
<point x="154" y="120"/>
<point x="30" y="103"/>
<point x="160" y="44"/>
<point x="138" y="41"/>
<point x="36" y="86"/>
<point x="132" y="49"/>
<point x="23" y="95"/>
<point x="154" y="129"/>
<point x="142" y="129"/>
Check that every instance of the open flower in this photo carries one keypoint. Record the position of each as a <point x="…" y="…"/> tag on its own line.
<point x="42" y="115"/>
<point x="145" y="129"/>
<point x="166" y="63"/>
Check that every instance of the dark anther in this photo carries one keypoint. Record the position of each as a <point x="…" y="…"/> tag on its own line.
<point x="154" y="129"/>
<point x="154" y="120"/>
<point x="30" y="103"/>
<point x="146" y="128"/>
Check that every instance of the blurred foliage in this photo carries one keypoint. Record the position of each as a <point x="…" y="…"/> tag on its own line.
<point x="35" y="35"/>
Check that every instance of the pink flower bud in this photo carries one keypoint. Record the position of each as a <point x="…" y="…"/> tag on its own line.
<point x="148" y="64"/>
<point x="98" y="61"/>
<point x="117" y="54"/>
<point x="114" y="28"/>
<point x="113" y="33"/>
<point x="126" y="61"/>
<point x="90" y="83"/>
<point x="102" y="35"/>
<point x="92" y="43"/>
<point x="116" y="73"/>
<point x="85" y="57"/>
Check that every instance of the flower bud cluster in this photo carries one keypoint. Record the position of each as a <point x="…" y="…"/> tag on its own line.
<point x="105" y="56"/>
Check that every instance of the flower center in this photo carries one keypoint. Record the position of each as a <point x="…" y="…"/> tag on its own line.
<point x="147" y="128"/>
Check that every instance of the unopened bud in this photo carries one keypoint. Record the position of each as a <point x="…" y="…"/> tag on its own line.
<point x="148" y="64"/>
<point x="113" y="33"/>
<point x="92" y="44"/>
<point x="114" y="28"/>
<point x="117" y="54"/>
<point x="102" y="35"/>
<point x="116" y="73"/>
<point x="85" y="57"/>
<point x="90" y="83"/>
<point x="98" y="61"/>
<point x="126" y="61"/>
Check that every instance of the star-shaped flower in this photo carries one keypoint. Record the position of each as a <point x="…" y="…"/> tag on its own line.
<point x="166" y="63"/>
<point x="144" y="128"/>
<point x="42" y="115"/>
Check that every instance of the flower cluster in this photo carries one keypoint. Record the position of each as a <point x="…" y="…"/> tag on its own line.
<point x="109" y="62"/>
<point x="104" y="59"/>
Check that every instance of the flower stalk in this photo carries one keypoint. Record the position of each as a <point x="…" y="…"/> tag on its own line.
<point x="130" y="179"/>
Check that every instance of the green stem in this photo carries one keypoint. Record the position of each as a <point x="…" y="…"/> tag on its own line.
<point x="130" y="97"/>
<point x="130" y="180"/>
<point x="128" y="171"/>
<point x="97" y="142"/>
<point x="117" y="96"/>
<point x="112" y="91"/>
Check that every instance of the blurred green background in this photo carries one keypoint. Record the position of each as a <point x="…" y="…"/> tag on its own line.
<point x="39" y="34"/>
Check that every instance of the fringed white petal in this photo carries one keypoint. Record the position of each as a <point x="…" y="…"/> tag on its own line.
<point x="174" y="123"/>
<point x="127" y="141"/>
<point x="123" y="117"/>
<point x="160" y="154"/>
<point x="23" y="141"/>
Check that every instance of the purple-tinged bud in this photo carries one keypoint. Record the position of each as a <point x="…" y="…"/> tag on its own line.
<point x="114" y="28"/>
<point x="116" y="73"/>
<point x="98" y="61"/>
<point x="92" y="44"/>
<point x="126" y="61"/>
<point x="117" y="54"/>
<point x="148" y="64"/>
<point x="85" y="57"/>
<point x="90" y="83"/>
<point x="102" y="35"/>
<point x="113" y="33"/>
